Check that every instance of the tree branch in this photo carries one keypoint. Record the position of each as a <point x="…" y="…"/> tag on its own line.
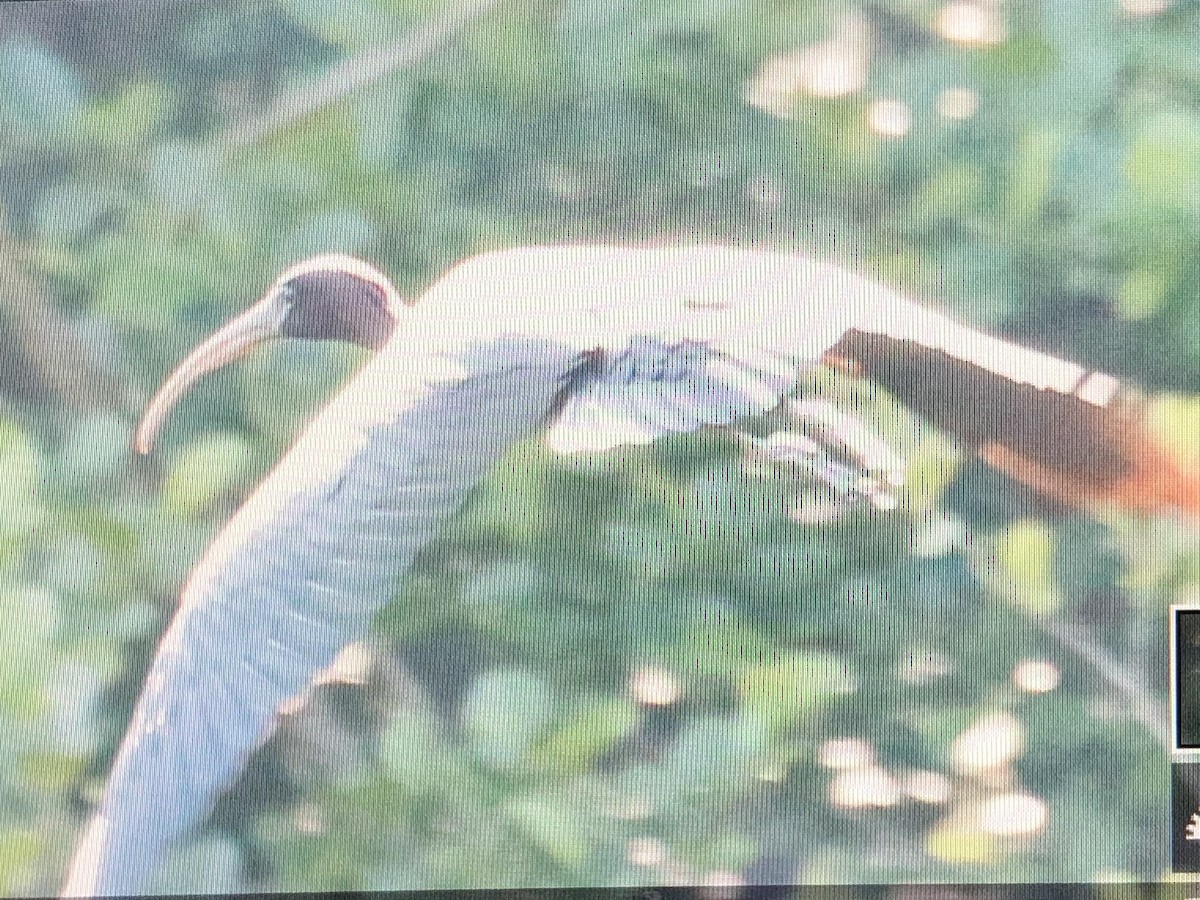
<point x="1145" y="708"/>
<point x="354" y="74"/>
<point x="58" y="361"/>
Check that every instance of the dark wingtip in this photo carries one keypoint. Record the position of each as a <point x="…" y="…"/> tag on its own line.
<point x="1074" y="451"/>
<point x="1160" y="481"/>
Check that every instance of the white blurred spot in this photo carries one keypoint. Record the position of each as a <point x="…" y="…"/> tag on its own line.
<point x="774" y="772"/>
<point x="646" y="852"/>
<point x="1135" y="8"/>
<point x="308" y="819"/>
<point x="923" y="666"/>
<point x="836" y="67"/>
<point x="722" y="884"/>
<point x="846" y="753"/>
<point x="630" y="808"/>
<point x="1036" y="676"/>
<point x="867" y="786"/>
<point x="765" y="192"/>
<point x="811" y="508"/>
<point x="957" y="103"/>
<point x="1013" y="814"/>
<point x="654" y="686"/>
<point x="724" y="878"/>
<point x="832" y="70"/>
<point x="927" y="787"/>
<point x="889" y="118"/>
<point x="884" y="501"/>
<point x="990" y="743"/>
<point x="977" y="24"/>
<point x="936" y="536"/>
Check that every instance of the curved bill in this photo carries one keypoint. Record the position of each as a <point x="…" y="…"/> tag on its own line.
<point x="259" y="323"/>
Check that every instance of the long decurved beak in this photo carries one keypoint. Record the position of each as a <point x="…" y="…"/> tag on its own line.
<point x="237" y="337"/>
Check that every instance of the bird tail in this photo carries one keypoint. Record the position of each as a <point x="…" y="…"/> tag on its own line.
<point x="1153" y="479"/>
<point x="1162" y="481"/>
<point x="1165" y="472"/>
<point x="1071" y="434"/>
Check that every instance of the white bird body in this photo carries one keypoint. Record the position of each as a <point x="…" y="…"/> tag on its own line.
<point x="605" y="346"/>
<point x="751" y="304"/>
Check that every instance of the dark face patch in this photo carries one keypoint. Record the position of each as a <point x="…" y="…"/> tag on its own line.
<point x="336" y="306"/>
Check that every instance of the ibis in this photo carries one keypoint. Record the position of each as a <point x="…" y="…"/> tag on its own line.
<point x="589" y="348"/>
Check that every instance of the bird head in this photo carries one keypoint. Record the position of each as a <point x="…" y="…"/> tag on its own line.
<point x="333" y="297"/>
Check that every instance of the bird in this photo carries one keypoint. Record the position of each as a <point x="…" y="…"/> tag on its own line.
<point x="590" y="348"/>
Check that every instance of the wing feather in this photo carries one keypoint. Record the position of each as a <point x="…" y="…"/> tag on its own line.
<point x="297" y="574"/>
<point x="654" y="389"/>
<point x="691" y="337"/>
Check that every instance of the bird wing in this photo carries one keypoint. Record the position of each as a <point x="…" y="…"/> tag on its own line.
<point x="679" y="337"/>
<point x="745" y="320"/>
<point x="742" y="302"/>
<point x="299" y="572"/>
<point x="607" y="345"/>
<point x="650" y="342"/>
<point x="653" y="388"/>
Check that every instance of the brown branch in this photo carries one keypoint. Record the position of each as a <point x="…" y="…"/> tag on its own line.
<point x="60" y="362"/>
<point x="1151" y="712"/>
<point x="355" y="73"/>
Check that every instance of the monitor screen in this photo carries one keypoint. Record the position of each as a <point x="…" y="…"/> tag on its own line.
<point x="587" y="444"/>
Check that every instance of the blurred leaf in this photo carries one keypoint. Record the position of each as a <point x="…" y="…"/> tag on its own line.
<point x="19" y="849"/>
<point x="38" y="92"/>
<point x="347" y="230"/>
<point x="793" y="688"/>
<point x="959" y="843"/>
<point x="128" y="117"/>
<point x="1163" y="162"/>
<point x="1142" y="293"/>
<point x="1036" y="160"/>
<point x="71" y="210"/>
<point x="714" y="754"/>
<point x="32" y="617"/>
<point x="551" y="825"/>
<point x="208" y="865"/>
<point x="503" y="713"/>
<point x="97" y="447"/>
<point x="408" y="749"/>
<point x="184" y="177"/>
<point x="21" y="473"/>
<point x="1026" y="551"/>
<point x="1175" y="420"/>
<point x="207" y="471"/>
<point x="589" y="732"/>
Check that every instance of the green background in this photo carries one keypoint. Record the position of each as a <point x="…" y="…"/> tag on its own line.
<point x="1052" y="195"/>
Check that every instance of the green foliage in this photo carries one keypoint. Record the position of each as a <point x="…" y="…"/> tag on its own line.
<point x="637" y="668"/>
